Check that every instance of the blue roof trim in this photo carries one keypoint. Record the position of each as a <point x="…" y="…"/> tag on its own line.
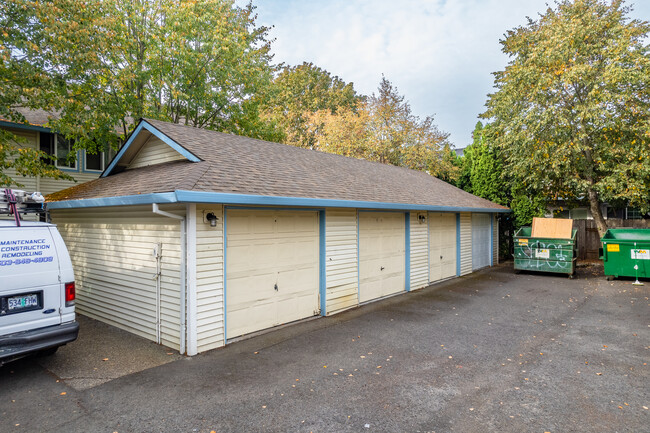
<point x="126" y="145"/>
<point x="125" y="200"/>
<point x="181" y="196"/>
<point x="177" y="147"/>
<point x="227" y="198"/>
<point x="145" y="125"/>
<point x="27" y="126"/>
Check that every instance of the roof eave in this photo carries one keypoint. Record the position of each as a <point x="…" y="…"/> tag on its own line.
<point x="27" y="126"/>
<point x="182" y="196"/>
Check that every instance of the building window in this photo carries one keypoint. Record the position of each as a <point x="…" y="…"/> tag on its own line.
<point x="94" y="162"/>
<point x="634" y="213"/>
<point x="47" y="146"/>
<point x="66" y="156"/>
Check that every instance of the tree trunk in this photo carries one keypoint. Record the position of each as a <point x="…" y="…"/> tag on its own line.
<point x="594" y="206"/>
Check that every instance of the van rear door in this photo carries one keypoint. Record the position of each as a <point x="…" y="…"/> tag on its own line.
<point x="30" y="286"/>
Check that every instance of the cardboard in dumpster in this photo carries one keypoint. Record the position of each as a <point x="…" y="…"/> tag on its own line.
<point x="553" y="228"/>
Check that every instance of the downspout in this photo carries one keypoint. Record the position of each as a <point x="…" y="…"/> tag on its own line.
<point x="183" y="315"/>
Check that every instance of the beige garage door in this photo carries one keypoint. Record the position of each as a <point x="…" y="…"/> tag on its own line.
<point x="381" y="254"/>
<point x="442" y="246"/>
<point x="271" y="268"/>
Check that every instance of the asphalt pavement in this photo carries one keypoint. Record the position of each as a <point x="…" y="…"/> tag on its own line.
<point x="490" y="352"/>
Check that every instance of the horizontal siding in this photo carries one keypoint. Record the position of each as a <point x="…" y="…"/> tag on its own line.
<point x="43" y="184"/>
<point x="115" y="268"/>
<point x="341" y="269"/>
<point x="48" y="186"/>
<point x="155" y="151"/>
<point x="29" y="141"/>
<point x="419" y="252"/>
<point x="465" y="243"/>
<point x="209" y="279"/>
<point x="495" y="240"/>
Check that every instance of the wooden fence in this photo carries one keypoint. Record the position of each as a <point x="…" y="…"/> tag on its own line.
<point x="588" y="239"/>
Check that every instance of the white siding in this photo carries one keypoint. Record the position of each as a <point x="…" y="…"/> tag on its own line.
<point x="115" y="267"/>
<point x="495" y="240"/>
<point x="154" y="151"/>
<point x="419" y="251"/>
<point x="341" y="260"/>
<point x="209" y="279"/>
<point x="465" y="243"/>
<point x="481" y="237"/>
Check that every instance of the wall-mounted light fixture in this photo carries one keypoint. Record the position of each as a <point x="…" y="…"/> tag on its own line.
<point x="422" y="218"/>
<point x="210" y="217"/>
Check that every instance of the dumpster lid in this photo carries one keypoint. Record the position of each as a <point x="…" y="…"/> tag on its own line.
<point x="552" y="228"/>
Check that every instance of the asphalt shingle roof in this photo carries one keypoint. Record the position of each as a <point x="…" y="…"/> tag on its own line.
<point x="242" y="165"/>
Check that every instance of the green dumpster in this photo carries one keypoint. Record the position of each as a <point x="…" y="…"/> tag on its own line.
<point x="623" y="249"/>
<point x="544" y="254"/>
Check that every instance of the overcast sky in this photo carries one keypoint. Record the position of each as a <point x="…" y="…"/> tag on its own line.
<point x="440" y="54"/>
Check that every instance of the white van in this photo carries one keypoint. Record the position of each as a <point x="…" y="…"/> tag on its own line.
<point x="37" y="289"/>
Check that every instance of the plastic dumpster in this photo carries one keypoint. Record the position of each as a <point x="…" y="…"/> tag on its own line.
<point x="623" y="249"/>
<point x="544" y="254"/>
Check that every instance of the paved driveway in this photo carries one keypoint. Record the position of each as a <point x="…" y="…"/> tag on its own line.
<point x="493" y="351"/>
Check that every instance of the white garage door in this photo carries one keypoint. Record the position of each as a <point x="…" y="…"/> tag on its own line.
<point x="442" y="246"/>
<point x="381" y="254"/>
<point x="481" y="245"/>
<point x="272" y="274"/>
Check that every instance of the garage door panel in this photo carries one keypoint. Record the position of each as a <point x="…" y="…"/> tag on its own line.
<point x="442" y="246"/>
<point x="265" y="248"/>
<point x="381" y="245"/>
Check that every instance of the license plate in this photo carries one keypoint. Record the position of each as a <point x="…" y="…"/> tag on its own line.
<point x="22" y="302"/>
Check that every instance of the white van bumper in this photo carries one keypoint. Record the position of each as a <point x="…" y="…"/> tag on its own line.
<point x="21" y="344"/>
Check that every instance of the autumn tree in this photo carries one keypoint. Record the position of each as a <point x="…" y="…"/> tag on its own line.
<point x="101" y="65"/>
<point x="571" y="110"/>
<point x="484" y="173"/>
<point x="297" y="92"/>
<point x="383" y="128"/>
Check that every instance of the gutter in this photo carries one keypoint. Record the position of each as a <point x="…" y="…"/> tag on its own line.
<point x="182" y="196"/>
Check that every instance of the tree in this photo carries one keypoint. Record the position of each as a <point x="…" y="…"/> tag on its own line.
<point x="571" y="111"/>
<point x="384" y="129"/>
<point x="483" y="174"/>
<point x="103" y="64"/>
<point x="23" y="161"/>
<point x="296" y="94"/>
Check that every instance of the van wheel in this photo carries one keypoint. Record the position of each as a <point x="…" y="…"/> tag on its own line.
<point x="48" y="352"/>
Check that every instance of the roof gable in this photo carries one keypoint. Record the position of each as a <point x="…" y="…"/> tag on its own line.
<point x="147" y="145"/>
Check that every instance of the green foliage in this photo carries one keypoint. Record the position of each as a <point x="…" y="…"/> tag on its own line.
<point x="23" y="161"/>
<point x="296" y="94"/>
<point x="483" y="174"/>
<point x="571" y="111"/>
<point x="382" y="128"/>
<point x="101" y="65"/>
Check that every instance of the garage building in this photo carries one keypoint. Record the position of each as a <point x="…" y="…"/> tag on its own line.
<point x="193" y="238"/>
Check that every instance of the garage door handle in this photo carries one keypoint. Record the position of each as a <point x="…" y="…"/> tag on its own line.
<point x="381" y="269"/>
<point x="275" y="286"/>
<point x="440" y="257"/>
